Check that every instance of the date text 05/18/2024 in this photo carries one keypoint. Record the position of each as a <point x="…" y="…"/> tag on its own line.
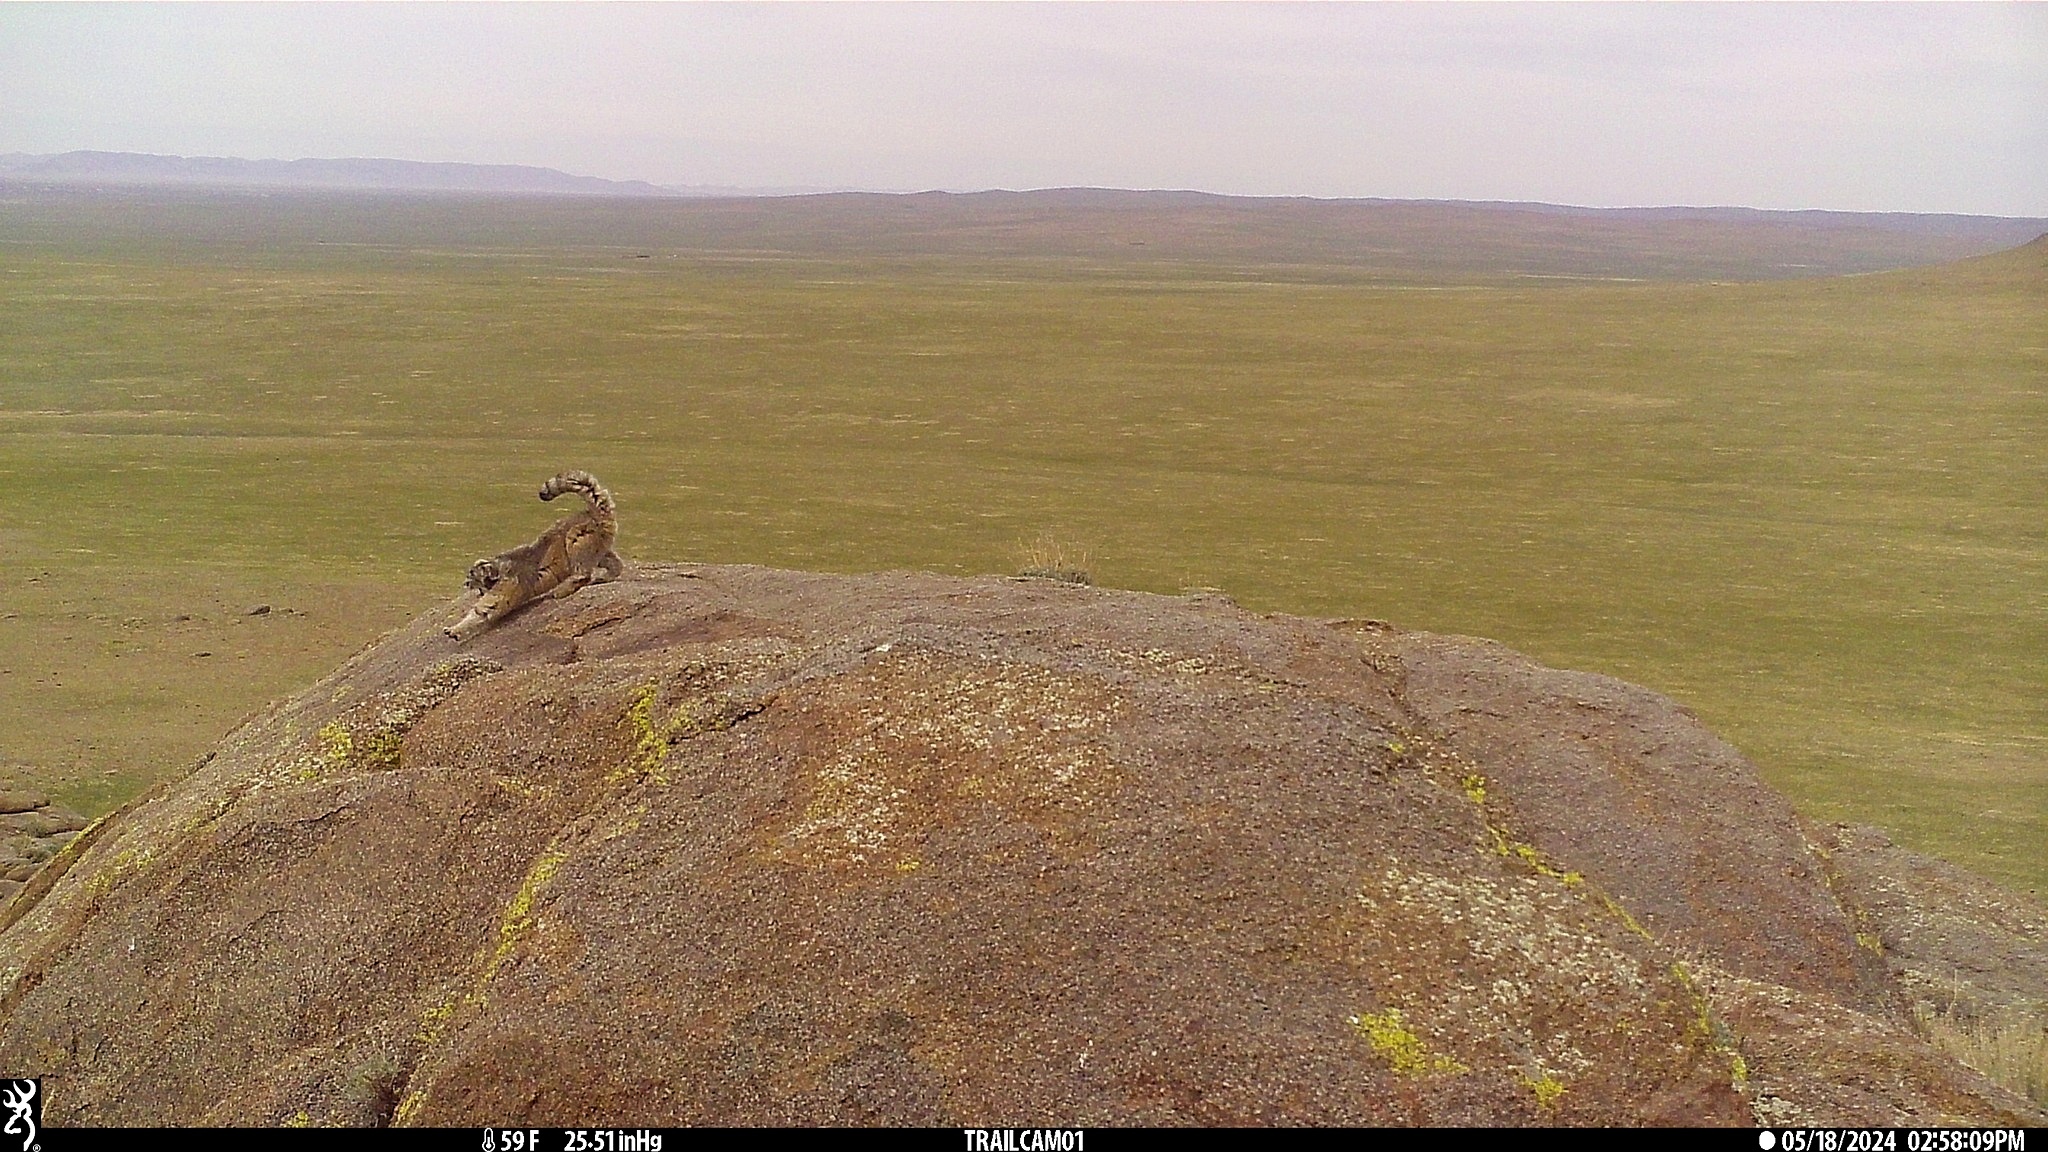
<point x="1892" y="1140"/>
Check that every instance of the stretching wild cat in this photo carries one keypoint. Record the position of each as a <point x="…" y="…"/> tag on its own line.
<point x="575" y="552"/>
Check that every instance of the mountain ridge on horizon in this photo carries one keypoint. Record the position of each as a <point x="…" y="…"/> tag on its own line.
<point x="364" y="173"/>
<point x="372" y="174"/>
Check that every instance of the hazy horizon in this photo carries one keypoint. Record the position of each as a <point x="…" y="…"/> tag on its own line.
<point x="1847" y="107"/>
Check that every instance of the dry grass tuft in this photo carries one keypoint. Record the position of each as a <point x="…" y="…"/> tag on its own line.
<point x="2009" y="1045"/>
<point x="1048" y="558"/>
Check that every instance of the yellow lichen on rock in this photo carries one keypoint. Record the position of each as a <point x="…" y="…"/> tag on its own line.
<point x="1545" y="1087"/>
<point x="1401" y="1048"/>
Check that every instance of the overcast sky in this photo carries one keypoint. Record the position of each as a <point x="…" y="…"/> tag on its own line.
<point x="1932" y="108"/>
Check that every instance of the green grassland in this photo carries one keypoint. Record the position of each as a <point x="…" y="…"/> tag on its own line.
<point x="1815" y="511"/>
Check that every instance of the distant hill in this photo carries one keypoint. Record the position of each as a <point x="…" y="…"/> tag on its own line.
<point x="125" y="197"/>
<point x="1392" y="238"/>
<point x="355" y="172"/>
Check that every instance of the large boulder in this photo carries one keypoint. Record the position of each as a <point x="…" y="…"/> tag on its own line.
<point x="731" y="845"/>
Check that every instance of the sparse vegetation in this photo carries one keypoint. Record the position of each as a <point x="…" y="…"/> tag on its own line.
<point x="371" y="1090"/>
<point x="2009" y="1045"/>
<point x="1048" y="558"/>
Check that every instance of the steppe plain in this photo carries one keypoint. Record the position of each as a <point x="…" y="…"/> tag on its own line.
<point x="1734" y="460"/>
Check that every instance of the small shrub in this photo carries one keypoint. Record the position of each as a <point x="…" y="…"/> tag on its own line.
<point x="1047" y="558"/>
<point x="371" y="1091"/>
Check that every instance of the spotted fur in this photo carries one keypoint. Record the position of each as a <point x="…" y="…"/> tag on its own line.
<point x="577" y="550"/>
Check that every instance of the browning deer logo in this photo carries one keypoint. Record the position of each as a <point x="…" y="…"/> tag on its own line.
<point x="24" y="1104"/>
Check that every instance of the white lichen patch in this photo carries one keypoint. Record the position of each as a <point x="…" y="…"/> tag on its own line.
<point x="523" y="788"/>
<point x="933" y="728"/>
<point x="1171" y="661"/>
<point x="854" y="806"/>
<point x="1523" y="953"/>
<point x="1221" y="665"/>
<point x="728" y="662"/>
